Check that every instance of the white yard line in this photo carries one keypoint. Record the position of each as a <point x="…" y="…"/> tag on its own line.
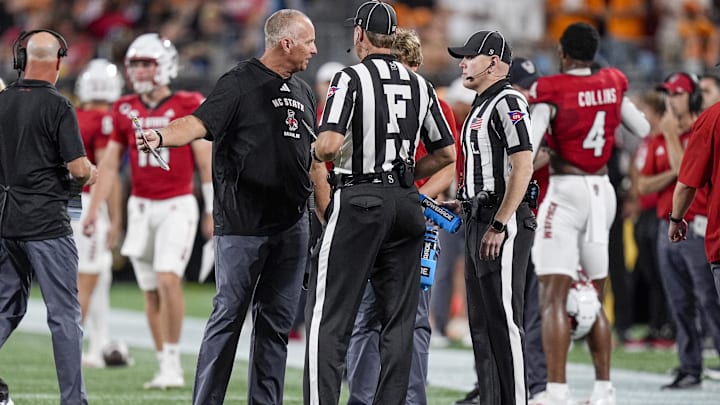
<point x="449" y="368"/>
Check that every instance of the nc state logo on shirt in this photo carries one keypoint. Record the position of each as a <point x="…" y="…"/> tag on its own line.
<point x="291" y="121"/>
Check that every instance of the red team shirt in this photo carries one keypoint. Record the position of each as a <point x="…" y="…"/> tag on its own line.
<point x="700" y="169"/>
<point x="95" y="129"/>
<point x="587" y="113"/>
<point x="657" y="162"/>
<point x="421" y="151"/>
<point x="646" y="201"/>
<point x="148" y="179"/>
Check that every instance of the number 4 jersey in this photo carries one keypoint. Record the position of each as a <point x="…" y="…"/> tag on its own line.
<point x="587" y="113"/>
<point x="148" y="179"/>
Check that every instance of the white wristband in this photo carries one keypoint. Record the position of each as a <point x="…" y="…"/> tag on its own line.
<point x="207" y="192"/>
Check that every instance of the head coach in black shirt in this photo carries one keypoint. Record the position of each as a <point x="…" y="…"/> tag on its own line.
<point x="376" y="112"/>
<point x="499" y="225"/>
<point x="41" y="155"/>
<point x="261" y="119"/>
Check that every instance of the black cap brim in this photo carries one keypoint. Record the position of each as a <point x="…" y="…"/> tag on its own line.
<point x="460" y="52"/>
<point x="350" y="22"/>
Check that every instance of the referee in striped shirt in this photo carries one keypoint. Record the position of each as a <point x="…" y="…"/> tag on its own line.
<point x="499" y="226"/>
<point x="375" y="114"/>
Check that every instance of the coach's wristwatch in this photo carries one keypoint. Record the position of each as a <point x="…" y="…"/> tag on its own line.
<point x="497" y="226"/>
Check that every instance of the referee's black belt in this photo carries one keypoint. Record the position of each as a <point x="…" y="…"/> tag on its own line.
<point x="489" y="200"/>
<point x="348" y="180"/>
<point x="483" y="199"/>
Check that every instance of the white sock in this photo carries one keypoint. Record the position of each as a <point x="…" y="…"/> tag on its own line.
<point x="171" y="352"/>
<point x="160" y="357"/>
<point x="602" y="386"/>
<point x="558" y="390"/>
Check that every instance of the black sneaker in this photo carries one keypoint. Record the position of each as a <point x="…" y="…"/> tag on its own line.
<point x="472" y="397"/>
<point x="683" y="381"/>
<point x="4" y="394"/>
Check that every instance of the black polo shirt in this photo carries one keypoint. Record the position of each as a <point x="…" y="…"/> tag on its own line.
<point x="38" y="134"/>
<point x="262" y="126"/>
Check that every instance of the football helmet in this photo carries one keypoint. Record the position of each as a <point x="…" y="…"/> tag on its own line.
<point x="155" y="48"/>
<point x="583" y="305"/>
<point x="116" y="354"/>
<point x="100" y="81"/>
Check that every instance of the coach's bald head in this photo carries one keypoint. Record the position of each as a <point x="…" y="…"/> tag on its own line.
<point x="43" y="61"/>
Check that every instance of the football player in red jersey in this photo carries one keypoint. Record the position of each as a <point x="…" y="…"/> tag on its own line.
<point x="581" y="110"/>
<point x="97" y="88"/>
<point x="162" y="211"/>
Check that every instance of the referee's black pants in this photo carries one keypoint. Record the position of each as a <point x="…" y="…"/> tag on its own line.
<point x="375" y="231"/>
<point x="495" y="296"/>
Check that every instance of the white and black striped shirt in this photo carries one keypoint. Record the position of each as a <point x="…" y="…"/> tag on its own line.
<point x="383" y="109"/>
<point x="497" y="126"/>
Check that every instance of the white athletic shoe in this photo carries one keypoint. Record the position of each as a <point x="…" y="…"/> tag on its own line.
<point x="165" y="380"/>
<point x="605" y="397"/>
<point x="545" y="398"/>
<point x="92" y="361"/>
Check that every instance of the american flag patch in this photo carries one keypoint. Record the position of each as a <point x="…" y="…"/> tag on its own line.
<point x="332" y="90"/>
<point x="515" y="116"/>
<point x="476" y="123"/>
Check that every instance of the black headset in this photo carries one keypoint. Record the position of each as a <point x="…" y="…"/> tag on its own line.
<point x="20" y="52"/>
<point x="695" y="98"/>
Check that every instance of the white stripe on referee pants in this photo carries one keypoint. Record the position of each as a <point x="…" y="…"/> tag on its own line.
<point x="313" y="339"/>
<point x="513" y="330"/>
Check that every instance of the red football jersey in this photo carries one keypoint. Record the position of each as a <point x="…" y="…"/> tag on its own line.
<point x="646" y="201"/>
<point x="587" y="114"/>
<point x="95" y="129"/>
<point x="421" y="151"/>
<point x="700" y="169"/>
<point x="148" y="179"/>
<point x="657" y="162"/>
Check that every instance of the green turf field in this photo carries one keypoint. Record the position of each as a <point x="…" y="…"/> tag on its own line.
<point x="198" y="303"/>
<point x="26" y="363"/>
<point x="27" y="366"/>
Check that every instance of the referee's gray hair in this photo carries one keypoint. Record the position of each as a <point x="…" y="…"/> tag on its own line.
<point x="281" y="24"/>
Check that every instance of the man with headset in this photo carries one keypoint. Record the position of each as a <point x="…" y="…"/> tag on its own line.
<point x="41" y="156"/>
<point x="684" y="269"/>
<point x="499" y="225"/>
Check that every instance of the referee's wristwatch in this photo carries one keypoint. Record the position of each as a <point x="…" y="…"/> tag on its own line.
<point x="498" y="226"/>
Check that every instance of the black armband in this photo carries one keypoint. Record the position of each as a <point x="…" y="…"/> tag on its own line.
<point x="159" y="134"/>
<point x="314" y="156"/>
<point x="675" y="220"/>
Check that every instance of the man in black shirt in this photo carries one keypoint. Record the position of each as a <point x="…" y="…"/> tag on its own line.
<point x="375" y="113"/>
<point x="41" y="154"/>
<point x="261" y="120"/>
<point x="499" y="225"/>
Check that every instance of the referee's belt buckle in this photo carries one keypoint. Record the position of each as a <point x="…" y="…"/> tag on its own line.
<point x="348" y="180"/>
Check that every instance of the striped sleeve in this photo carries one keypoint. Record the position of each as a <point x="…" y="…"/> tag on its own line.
<point x="339" y="103"/>
<point x="436" y="132"/>
<point x="512" y="112"/>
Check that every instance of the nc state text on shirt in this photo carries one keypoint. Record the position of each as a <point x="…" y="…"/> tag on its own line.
<point x="288" y="102"/>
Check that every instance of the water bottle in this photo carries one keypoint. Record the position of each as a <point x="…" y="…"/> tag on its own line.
<point x="428" y="258"/>
<point x="440" y="215"/>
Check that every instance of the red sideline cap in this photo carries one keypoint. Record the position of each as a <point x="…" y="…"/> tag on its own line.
<point x="677" y="83"/>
